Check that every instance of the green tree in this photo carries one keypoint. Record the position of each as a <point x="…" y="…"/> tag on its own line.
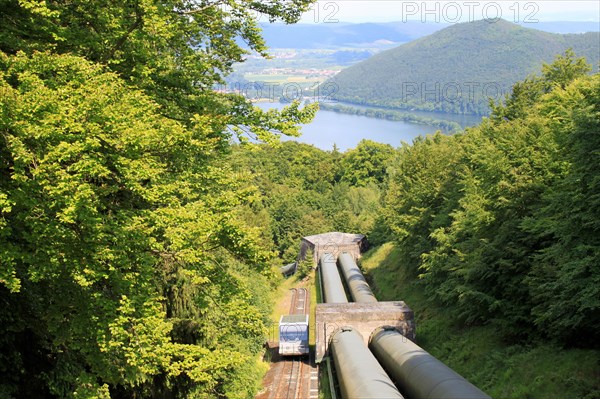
<point x="565" y="279"/>
<point x="564" y="70"/>
<point x="306" y="265"/>
<point x="526" y="94"/>
<point x="126" y="269"/>
<point x="102" y="197"/>
<point x="175" y="51"/>
<point x="420" y="177"/>
<point x="500" y="220"/>
<point x="366" y="163"/>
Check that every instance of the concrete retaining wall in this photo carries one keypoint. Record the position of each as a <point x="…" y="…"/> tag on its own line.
<point x="334" y="243"/>
<point x="364" y="317"/>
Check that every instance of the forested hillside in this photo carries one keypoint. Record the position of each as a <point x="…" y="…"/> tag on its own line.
<point x="305" y="191"/>
<point x="456" y="69"/>
<point x="495" y="240"/>
<point x="493" y="232"/>
<point x="501" y="222"/>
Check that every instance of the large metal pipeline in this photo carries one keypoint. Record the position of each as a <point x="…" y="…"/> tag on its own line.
<point x="418" y="374"/>
<point x="333" y="289"/>
<point x="359" y="288"/>
<point x="289" y="269"/>
<point x="358" y="373"/>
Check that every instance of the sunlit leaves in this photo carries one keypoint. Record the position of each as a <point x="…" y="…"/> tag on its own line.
<point x="119" y="229"/>
<point x="106" y="203"/>
<point x="367" y="163"/>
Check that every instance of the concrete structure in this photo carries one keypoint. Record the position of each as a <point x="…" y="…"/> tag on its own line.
<point x="334" y="243"/>
<point x="363" y="317"/>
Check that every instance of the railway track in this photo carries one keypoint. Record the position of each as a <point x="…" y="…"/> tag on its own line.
<point x="294" y="301"/>
<point x="292" y="374"/>
<point x="291" y="379"/>
<point x="299" y="301"/>
<point x="295" y="388"/>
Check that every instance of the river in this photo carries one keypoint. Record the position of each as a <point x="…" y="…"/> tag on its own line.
<point x="346" y="131"/>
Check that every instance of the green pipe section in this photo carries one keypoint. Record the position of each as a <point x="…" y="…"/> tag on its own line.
<point x="288" y="270"/>
<point x="418" y="374"/>
<point x="358" y="373"/>
<point x="332" y="283"/>
<point x="359" y="288"/>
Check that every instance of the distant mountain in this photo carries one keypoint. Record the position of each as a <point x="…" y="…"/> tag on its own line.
<point x="456" y="69"/>
<point x="379" y="35"/>
<point x="336" y="35"/>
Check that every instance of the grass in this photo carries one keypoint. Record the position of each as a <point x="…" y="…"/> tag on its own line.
<point x="325" y="381"/>
<point x="281" y="298"/>
<point x="502" y="369"/>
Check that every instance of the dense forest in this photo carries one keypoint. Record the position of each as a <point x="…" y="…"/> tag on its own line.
<point x="126" y="270"/>
<point x="303" y="191"/>
<point x="501" y="221"/>
<point x="141" y="225"/>
<point x="456" y="69"/>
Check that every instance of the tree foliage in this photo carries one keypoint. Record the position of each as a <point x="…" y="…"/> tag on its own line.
<point x="306" y="191"/>
<point x="366" y="163"/>
<point x="565" y="277"/>
<point x="127" y="269"/>
<point x="104" y="201"/>
<point x="501" y="221"/>
<point x="175" y="51"/>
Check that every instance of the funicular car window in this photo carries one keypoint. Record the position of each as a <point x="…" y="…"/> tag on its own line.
<point x="293" y="333"/>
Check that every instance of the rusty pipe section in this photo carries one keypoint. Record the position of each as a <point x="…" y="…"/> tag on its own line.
<point x="359" y="374"/>
<point x="333" y="289"/>
<point x="358" y="286"/>
<point x="418" y="374"/>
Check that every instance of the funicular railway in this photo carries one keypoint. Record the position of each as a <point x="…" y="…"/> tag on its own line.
<point x="368" y="343"/>
<point x="292" y="380"/>
<point x="293" y="327"/>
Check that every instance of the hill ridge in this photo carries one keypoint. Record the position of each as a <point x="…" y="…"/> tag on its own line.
<point x="457" y="68"/>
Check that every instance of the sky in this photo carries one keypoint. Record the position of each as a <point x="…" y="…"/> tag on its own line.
<point x="334" y="11"/>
